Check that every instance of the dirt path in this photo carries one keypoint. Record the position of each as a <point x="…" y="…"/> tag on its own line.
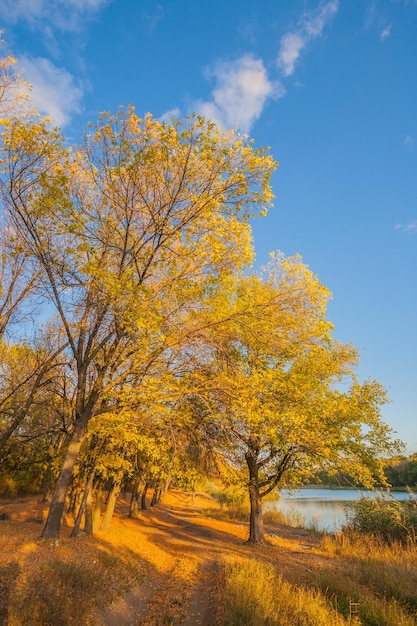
<point x="199" y="546"/>
<point x="177" y="530"/>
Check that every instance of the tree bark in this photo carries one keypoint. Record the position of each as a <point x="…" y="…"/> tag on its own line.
<point x="167" y="484"/>
<point x="53" y="523"/>
<point x="97" y="507"/>
<point x="87" y="491"/>
<point x="48" y="481"/>
<point x="155" y="496"/>
<point x="88" y="515"/>
<point x="256" y="525"/>
<point x="111" y="503"/>
<point x="134" y="499"/>
<point x="143" y="496"/>
<point x="74" y="496"/>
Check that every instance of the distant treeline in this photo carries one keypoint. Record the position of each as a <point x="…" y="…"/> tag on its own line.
<point x="401" y="473"/>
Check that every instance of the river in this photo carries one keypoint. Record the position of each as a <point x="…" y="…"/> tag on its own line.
<point x="324" y="509"/>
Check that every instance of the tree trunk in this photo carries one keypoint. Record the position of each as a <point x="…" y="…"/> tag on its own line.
<point x="53" y="523"/>
<point x="111" y="503"/>
<point x="76" y="529"/>
<point x="74" y="496"/>
<point x="88" y="515"/>
<point x="256" y="525"/>
<point x="97" y="507"/>
<point x="48" y="481"/>
<point x="143" y="496"/>
<point x="134" y="500"/>
<point x="167" y="483"/>
<point x="155" y="499"/>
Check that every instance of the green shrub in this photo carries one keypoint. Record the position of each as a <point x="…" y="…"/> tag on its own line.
<point x="232" y="496"/>
<point x="230" y="513"/>
<point x="275" y="517"/>
<point x="392" y="520"/>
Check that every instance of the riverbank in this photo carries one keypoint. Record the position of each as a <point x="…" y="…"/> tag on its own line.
<point x="174" y="565"/>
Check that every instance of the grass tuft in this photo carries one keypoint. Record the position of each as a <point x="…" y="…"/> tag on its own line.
<point x="253" y="595"/>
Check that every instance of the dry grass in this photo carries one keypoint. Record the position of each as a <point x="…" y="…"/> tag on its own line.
<point x="67" y="582"/>
<point x="255" y="595"/>
<point x="299" y="578"/>
<point x="381" y="577"/>
<point x="60" y="582"/>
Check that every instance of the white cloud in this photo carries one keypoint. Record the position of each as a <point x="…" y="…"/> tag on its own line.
<point x="409" y="228"/>
<point x="385" y="33"/>
<point x="54" y="91"/>
<point x="241" y="92"/>
<point x="63" y="14"/>
<point x="315" y="21"/>
<point x="291" y="47"/>
<point x="168" y="115"/>
<point x="311" y="27"/>
<point x="409" y="142"/>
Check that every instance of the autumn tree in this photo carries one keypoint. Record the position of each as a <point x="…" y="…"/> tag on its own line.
<point x="283" y="392"/>
<point x="14" y="88"/>
<point x="18" y="279"/>
<point x="18" y="273"/>
<point x="132" y="231"/>
<point x="30" y="376"/>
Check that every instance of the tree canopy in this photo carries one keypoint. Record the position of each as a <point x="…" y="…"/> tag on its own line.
<point x="285" y="391"/>
<point x="152" y="350"/>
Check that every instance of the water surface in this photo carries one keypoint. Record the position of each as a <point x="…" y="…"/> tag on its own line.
<point x="324" y="509"/>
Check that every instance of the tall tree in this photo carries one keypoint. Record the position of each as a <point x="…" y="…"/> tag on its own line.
<point x="285" y="392"/>
<point x="133" y="230"/>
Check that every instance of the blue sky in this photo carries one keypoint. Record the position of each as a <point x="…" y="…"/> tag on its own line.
<point x="330" y="86"/>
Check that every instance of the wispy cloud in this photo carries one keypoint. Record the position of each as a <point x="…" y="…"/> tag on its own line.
<point x="292" y="45"/>
<point x="311" y="26"/>
<point x="61" y="22"/>
<point x="409" y="142"/>
<point x="54" y="91"/>
<point x="376" y="19"/>
<point x="370" y="15"/>
<point x="66" y="15"/>
<point x="152" y="17"/>
<point x="409" y="228"/>
<point x="385" y="33"/>
<point x="241" y="93"/>
<point x="248" y="29"/>
<point x="169" y="115"/>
